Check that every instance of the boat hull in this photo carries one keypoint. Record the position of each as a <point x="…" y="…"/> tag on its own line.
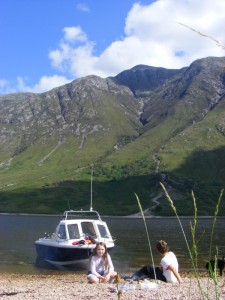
<point x="62" y="255"/>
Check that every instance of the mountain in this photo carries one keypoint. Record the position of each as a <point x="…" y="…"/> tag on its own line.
<point x="143" y="126"/>
<point x="84" y="110"/>
<point x="143" y="80"/>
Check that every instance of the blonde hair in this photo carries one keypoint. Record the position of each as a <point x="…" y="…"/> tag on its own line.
<point x="105" y="256"/>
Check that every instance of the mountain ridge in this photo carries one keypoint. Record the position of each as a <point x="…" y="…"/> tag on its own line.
<point x="129" y="126"/>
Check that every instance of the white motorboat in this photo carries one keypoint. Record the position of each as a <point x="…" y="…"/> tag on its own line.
<point x="74" y="238"/>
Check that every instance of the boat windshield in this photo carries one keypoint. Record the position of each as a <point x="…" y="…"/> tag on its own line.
<point x="103" y="231"/>
<point x="88" y="229"/>
<point x="62" y="232"/>
<point x="73" y="231"/>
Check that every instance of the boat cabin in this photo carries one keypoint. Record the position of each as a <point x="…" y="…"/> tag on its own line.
<point x="69" y="230"/>
<point x="83" y="229"/>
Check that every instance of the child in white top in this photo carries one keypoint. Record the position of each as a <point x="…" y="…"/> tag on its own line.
<point x="167" y="272"/>
<point x="101" y="267"/>
<point x="169" y="266"/>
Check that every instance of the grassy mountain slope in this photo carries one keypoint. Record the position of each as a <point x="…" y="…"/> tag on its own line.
<point x="65" y="151"/>
<point x="199" y="150"/>
<point x="172" y="131"/>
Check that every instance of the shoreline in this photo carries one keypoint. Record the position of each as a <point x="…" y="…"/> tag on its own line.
<point x="69" y="286"/>
<point x="134" y="216"/>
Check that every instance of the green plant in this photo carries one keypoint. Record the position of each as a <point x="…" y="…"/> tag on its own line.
<point x="146" y="229"/>
<point x="149" y="243"/>
<point x="213" y="271"/>
<point x="195" y="242"/>
<point x="119" y="291"/>
<point x="193" y="252"/>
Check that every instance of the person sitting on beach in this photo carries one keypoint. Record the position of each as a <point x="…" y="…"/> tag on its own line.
<point x="168" y="272"/>
<point x="100" y="267"/>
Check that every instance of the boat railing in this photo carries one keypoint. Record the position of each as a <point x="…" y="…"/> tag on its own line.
<point x="81" y="214"/>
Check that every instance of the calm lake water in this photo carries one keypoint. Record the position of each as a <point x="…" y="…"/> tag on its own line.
<point x="18" y="233"/>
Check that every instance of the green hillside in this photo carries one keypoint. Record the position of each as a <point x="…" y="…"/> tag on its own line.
<point x="174" y="134"/>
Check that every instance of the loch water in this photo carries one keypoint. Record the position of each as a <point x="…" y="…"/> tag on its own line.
<point x="19" y="232"/>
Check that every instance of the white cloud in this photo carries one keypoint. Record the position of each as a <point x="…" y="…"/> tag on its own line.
<point x="5" y="87"/>
<point x="72" y="34"/>
<point x="63" y="57"/>
<point x="75" y="53"/>
<point x="3" y="83"/>
<point x="46" y="83"/>
<point x="83" y="7"/>
<point x="152" y="36"/>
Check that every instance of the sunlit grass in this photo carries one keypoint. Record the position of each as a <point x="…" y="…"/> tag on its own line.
<point x="193" y="252"/>
<point x="149" y="242"/>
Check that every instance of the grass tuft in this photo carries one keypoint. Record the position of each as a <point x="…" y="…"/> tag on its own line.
<point x="193" y="252"/>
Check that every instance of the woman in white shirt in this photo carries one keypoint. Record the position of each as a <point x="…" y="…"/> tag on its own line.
<point x="101" y="267"/>
<point x="167" y="272"/>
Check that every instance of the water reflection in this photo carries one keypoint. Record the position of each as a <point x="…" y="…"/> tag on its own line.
<point x="18" y="233"/>
<point x="133" y="250"/>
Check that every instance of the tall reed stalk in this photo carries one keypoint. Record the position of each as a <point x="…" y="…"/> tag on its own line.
<point x="193" y="232"/>
<point x="193" y="260"/>
<point x="213" y="271"/>
<point x="214" y="223"/>
<point x="149" y="243"/>
<point x="194" y="251"/>
<point x="193" y="226"/>
<point x="146" y="229"/>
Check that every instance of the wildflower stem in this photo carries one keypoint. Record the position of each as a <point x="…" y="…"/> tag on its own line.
<point x="182" y="229"/>
<point x="149" y="243"/>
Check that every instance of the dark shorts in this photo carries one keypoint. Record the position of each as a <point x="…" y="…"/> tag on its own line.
<point x="149" y="272"/>
<point x="100" y="273"/>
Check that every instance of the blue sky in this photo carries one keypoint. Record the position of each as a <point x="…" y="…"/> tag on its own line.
<point x="47" y="43"/>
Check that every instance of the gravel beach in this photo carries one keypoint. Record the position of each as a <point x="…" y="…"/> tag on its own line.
<point x="75" y="286"/>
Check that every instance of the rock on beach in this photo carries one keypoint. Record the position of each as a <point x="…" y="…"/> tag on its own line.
<point x="75" y="286"/>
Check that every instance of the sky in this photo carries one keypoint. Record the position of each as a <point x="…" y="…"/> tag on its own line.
<point x="48" y="43"/>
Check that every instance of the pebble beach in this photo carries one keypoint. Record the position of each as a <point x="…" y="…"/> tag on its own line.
<point x="75" y="286"/>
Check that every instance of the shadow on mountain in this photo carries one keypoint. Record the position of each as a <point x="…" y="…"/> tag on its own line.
<point x="203" y="172"/>
<point x="115" y="197"/>
<point x="205" y="166"/>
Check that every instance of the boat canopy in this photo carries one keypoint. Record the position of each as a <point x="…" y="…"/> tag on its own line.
<point x="81" y="214"/>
